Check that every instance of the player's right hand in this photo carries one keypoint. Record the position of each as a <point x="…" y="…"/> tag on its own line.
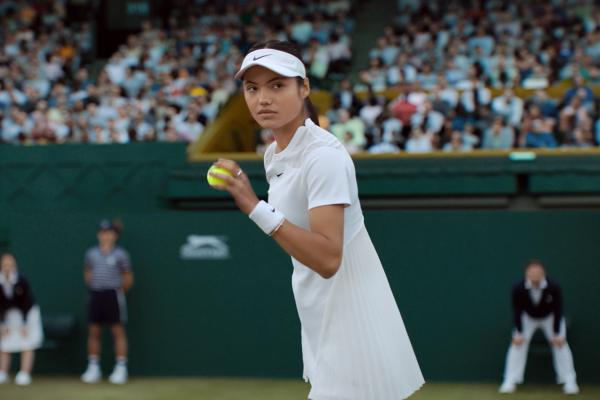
<point x="238" y="185"/>
<point x="518" y="340"/>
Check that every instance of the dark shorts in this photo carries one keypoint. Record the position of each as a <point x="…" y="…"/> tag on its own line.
<point x="107" y="307"/>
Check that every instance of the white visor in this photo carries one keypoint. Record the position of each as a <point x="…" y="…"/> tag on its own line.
<point x="277" y="61"/>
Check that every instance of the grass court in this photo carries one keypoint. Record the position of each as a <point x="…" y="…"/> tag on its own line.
<point x="69" y="388"/>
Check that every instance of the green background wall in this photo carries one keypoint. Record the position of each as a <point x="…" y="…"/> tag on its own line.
<point x="451" y="268"/>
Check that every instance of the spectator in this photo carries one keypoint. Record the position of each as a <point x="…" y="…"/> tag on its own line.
<point x="580" y="90"/>
<point x="402" y="109"/>
<point x="427" y="78"/>
<point x="548" y="106"/>
<point x="510" y="107"/>
<point x="430" y="120"/>
<point x="538" y="129"/>
<point x="456" y="143"/>
<point x="385" y="50"/>
<point x="190" y="128"/>
<point x="350" y="144"/>
<point x="391" y="126"/>
<point x="446" y="94"/>
<point x="574" y="116"/>
<point x="474" y="96"/>
<point x="402" y="71"/>
<point x="16" y="127"/>
<point x="370" y="111"/>
<point x="498" y="136"/>
<point x="419" y="141"/>
<point x="387" y="145"/>
<point x="470" y="137"/>
<point x="537" y="304"/>
<point x="346" y="98"/>
<point x="346" y="124"/>
<point x="582" y="138"/>
<point x="339" y="53"/>
<point x="318" y="59"/>
<point x="301" y="30"/>
<point x="20" y="321"/>
<point x="375" y="76"/>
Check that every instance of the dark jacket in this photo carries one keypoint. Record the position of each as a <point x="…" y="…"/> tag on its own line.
<point x="550" y="303"/>
<point x="22" y="298"/>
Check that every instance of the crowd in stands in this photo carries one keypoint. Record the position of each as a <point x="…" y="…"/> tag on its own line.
<point x="448" y="75"/>
<point x="165" y="83"/>
<point x="477" y="75"/>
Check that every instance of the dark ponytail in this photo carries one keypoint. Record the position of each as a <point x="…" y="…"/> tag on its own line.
<point x="313" y="114"/>
<point x="292" y="49"/>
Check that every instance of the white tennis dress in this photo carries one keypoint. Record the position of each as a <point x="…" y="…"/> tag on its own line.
<point x="354" y="343"/>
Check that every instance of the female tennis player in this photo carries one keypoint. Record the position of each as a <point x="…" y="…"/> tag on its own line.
<point x="354" y="344"/>
<point x="20" y="321"/>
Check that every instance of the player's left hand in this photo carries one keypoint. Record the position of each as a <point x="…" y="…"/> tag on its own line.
<point x="558" y="341"/>
<point x="238" y="185"/>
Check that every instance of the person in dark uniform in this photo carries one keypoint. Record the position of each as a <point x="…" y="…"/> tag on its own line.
<point x="108" y="276"/>
<point x="537" y="304"/>
<point x="20" y="321"/>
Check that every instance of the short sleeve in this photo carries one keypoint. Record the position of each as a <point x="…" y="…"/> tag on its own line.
<point x="327" y="178"/>
<point x="123" y="261"/>
<point x="87" y="260"/>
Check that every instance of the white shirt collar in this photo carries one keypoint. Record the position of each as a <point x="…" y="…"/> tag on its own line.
<point x="308" y="124"/>
<point x="12" y="279"/>
<point x="8" y="284"/>
<point x="529" y="285"/>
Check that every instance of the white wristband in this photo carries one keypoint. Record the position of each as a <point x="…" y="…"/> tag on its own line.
<point x="266" y="217"/>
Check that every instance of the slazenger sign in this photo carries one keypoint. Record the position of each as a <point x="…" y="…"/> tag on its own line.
<point x="199" y="247"/>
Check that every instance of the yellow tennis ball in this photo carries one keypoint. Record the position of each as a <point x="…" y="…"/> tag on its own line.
<point x="214" y="181"/>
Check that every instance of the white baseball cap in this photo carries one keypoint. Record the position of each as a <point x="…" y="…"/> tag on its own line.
<point x="276" y="60"/>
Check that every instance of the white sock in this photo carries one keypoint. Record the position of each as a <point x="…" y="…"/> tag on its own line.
<point x="122" y="361"/>
<point x="93" y="360"/>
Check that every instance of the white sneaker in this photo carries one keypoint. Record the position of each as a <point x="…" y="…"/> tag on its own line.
<point x="3" y="377"/>
<point x="507" y="387"/>
<point x="570" y="388"/>
<point x="23" y="379"/>
<point x="119" y="375"/>
<point x="92" y="374"/>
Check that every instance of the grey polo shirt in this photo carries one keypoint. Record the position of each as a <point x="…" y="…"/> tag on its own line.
<point x="107" y="268"/>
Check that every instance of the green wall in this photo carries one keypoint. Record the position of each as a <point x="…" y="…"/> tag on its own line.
<point x="451" y="268"/>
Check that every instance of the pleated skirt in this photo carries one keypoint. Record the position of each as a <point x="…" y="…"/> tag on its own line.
<point x="364" y="351"/>
<point x="15" y="341"/>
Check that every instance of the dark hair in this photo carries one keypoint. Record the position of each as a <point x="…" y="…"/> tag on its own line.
<point x="534" y="261"/>
<point x="290" y="48"/>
